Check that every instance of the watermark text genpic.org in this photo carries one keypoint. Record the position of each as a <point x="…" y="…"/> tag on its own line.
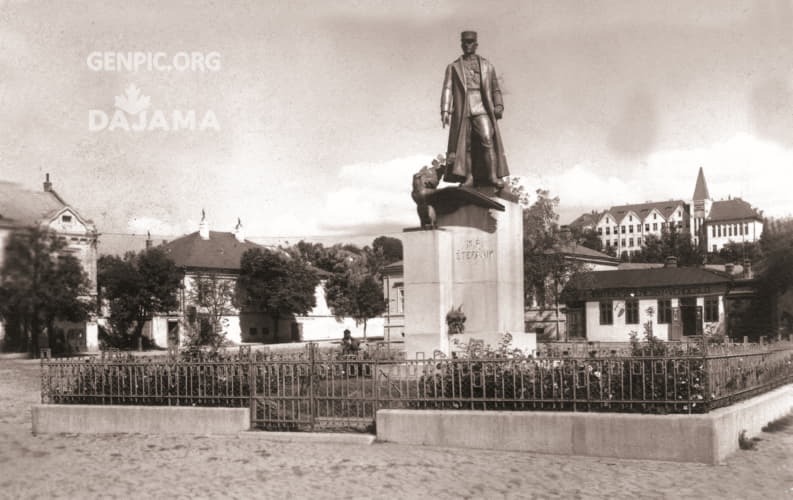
<point x="153" y="61"/>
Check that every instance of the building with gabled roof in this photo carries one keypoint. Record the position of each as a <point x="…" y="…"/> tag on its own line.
<point x="21" y="209"/>
<point x="710" y="224"/>
<point x="206" y="253"/>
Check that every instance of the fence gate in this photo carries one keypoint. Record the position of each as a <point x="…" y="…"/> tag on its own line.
<point x="314" y="394"/>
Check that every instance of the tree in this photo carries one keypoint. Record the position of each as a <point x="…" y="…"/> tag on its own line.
<point x="41" y="284"/>
<point x="275" y="283"/>
<point x="391" y="248"/>
<point x="546" y="269"/>
<point x="587" y="238"/>
<point x="212" y="297"/>
<point x="136" y="287"/>
<point x="356" y="292"/>
<point x="672" y="242"/>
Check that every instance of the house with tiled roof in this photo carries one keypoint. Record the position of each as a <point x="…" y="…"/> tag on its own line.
<point x="22" y="208"/>
<point x="674" y="302"/>
<point x="710" y="224"/>
<point x="205" y="254"/>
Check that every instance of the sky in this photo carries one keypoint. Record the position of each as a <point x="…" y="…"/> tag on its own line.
<point x="324" y="110"/>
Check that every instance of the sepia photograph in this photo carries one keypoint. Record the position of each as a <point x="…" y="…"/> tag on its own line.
<point x="396" y="249"/>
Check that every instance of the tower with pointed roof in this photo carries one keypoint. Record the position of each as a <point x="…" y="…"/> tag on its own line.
<point x="701" y="204"/>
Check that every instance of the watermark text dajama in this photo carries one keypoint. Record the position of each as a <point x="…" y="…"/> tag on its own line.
<point x="153" y="61"/>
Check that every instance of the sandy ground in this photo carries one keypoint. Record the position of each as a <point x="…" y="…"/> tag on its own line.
<point x="144" y="466"/>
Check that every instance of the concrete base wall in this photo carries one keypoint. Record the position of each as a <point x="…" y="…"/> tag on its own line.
<point x="707" y="438"/>
<point x="100" y="419"/>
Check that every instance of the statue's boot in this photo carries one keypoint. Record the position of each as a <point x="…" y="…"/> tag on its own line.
<point x="491" y="165"/>
<point x="469" y="177"/>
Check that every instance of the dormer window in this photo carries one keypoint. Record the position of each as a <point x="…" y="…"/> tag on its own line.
<point x="66" y="218"/>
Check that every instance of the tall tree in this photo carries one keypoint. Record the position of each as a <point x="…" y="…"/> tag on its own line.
<point x="40" y="284"/>
<point x="391" y="248"/>
<point x="213" y="298"/>
<point x="275" y="283"/>
<point x="546" y="269"/>
<point x="136" y="287"/>
<point x="356" y="292"/>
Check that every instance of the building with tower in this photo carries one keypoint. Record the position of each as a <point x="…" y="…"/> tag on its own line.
<point x="711" y="224"/>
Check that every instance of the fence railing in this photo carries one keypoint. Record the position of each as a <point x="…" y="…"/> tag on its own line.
<point x="321" y="389"/>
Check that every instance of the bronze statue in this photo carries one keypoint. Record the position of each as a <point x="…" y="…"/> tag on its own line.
<point x="425" y="182"/>
<point x="470" y="104"/>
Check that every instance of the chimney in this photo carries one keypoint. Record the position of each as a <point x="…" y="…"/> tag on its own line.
<point x="47" y="183"/>
<point x="149" y="242"/>
<point x="729" y="268"/>
<point x="747" y="269"/>
<point x="671" y="261"/>
<point x="238" y="232"/>
<point x="203" y="227"/>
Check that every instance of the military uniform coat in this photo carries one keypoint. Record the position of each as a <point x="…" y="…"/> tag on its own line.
<point x="455" y="101"/>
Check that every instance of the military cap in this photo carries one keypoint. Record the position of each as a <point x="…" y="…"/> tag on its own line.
<point x="468" y="35"/>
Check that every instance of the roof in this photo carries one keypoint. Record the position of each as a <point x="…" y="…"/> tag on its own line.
<point x="585" y="253"/>
<point x="647" y="278"/>
<point x="644" y="209"/>
<point x="394" y="268"/>
<point x="733" y="209"/>
<point x="701" y="189"/>
<point x="587" y="219"/>
<point x="221" y="251"/>
<point x="22" y="207"/>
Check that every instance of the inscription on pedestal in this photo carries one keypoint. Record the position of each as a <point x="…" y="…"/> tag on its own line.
<point x="474" y="249"/>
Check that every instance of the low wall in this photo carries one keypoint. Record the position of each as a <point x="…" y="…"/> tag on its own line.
<point x="706" y="438"/>
<point x="102" y="419"/>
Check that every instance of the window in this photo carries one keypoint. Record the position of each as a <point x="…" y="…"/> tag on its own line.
<point x="608" y="230"/>
<point x="638" y="241"/>
<point x="647" y="227"/>
<point x="600" y="230"/>
<point x="711" y="309"/>
<point x="713" y="228"/>
<point x="729" y="230"/>
<point x="253" y="331"/>
<point x="714" y="249"/>
<point x="632" y="312"/>
<point x="655" y="216"/>
<point x="616" y="229"/>
<point x="623" y="229"/>
<point x="630" y="242"/>
<point x="66" y="218"/>
<point x="655" y="226"/>
<point x="606" y="312"/>
<point x="630" y="228"/>
<point x="623" y="241"/>
<point x="746" y="229"/>
<point x="400" y="305"/>
<point x="630" y="217"/>
<point x="719" y="230"/>
<point x="664" y="311"/>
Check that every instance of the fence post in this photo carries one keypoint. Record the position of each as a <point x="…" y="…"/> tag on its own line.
<point x="251" y="389"/>
<point x="311" y="360"/>
<point x="705" y="377"/>
<point x="45" y="355"/>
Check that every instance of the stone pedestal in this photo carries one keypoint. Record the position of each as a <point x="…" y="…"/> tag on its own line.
<point x="474" y="260"/>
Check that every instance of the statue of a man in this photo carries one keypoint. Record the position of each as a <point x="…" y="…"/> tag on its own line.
<point x="470" y="104"/>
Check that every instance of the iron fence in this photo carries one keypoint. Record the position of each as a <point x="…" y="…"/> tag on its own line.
<point x="320" y="389"/>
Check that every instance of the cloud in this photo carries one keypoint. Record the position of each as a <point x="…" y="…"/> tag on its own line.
<point x="374" y="194"/>
<point x="144" y="224"/>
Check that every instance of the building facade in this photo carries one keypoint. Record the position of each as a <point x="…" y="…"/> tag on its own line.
<point x="22" y="209"/>
<point x="673" y="303"/>
<point x="394" y="295"/>
<point x="710" y="224"/>
<point x="216" y="255"/>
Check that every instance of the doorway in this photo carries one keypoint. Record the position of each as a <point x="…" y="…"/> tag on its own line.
<point x="691" y="316"/>
<point x="173" y="333"/>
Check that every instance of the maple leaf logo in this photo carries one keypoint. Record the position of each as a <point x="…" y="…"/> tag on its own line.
<point x="132" y="101"/>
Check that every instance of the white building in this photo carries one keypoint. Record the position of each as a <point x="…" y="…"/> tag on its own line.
<point x="21" y="209"/>
<point x="675" y="302"/>
<point x="215" y="253"/>
<point x="710" y="224"/>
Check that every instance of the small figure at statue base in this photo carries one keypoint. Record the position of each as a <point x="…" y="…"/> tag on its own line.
<point x="425" y="182"/>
